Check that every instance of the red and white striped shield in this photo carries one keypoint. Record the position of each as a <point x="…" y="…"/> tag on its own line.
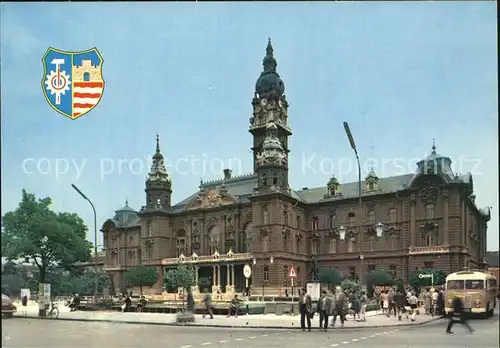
<point x="86" y="95"/>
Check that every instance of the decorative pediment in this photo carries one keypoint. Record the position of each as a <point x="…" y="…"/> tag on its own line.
<point x="393" y="229"/>
<point x="333" y="233"/>
<point x="429" y="225"/>
<point x="212" y="198"/>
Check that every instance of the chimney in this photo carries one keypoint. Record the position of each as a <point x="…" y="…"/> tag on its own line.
<point x="227" y="174"/>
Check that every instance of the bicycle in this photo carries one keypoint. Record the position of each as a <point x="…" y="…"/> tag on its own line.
<point x="53" y="313"/>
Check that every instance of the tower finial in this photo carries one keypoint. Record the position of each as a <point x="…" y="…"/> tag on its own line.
<point x="269" y="48"/>
<point x="126" y="201"/>
<point x="433" y="145"/>
<point x="157" y="143"/>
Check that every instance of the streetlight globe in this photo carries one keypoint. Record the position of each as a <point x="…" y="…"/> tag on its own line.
<point x="254" y="261"/>
<point x="271" y="259"/>
<point x="342" y="231"/>
<point x="379" y="228"/>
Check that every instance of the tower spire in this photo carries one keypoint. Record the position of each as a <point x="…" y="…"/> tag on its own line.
<point x="157" y="143"/>
<point x="433" y="145"/>
<point x="158" y="183"/>
<point x="126" y="201"/>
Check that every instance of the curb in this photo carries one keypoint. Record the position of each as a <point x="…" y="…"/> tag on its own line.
<point x="223" y="326"/>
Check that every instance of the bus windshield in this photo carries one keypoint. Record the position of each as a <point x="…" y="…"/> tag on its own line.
<point x="455" y="285"/>
<point x="474" y="284"/>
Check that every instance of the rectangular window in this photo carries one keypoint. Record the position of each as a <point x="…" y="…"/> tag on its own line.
<point x="298" y="222"/>
<point x="429" y="211"/>
<point x="315" y="224"/>
<point x="474" y="284"/>
<point x="392" y="215"/>
<point x="333" y="246"/>
<point x="285" y="217"/>
<point x="314" y="248"/>
<point x="371" y="217"/>
<point x="285" y="272"/>
<point x="332" y="221"/>
<point x="266" y="273"/>
<point x="352" y="219"/>
<point x="393" y="270"/>
<point x="455" y="285"/>
<point x="265" y="218"/>
<point x="429" y="264"/>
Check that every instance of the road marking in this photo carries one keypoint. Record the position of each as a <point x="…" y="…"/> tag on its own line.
<point x="378" y="334"/>
<point x="363" y="338"/>
<point x="206" y="344"/>
<point x="186" y="346"/>
<point x="334" y="345"/>
<point x="224" y="341"/>
<point x="385" y="333"/>
<point x="345" y="342"/>
<point x="372" y="336"/>
<point x="238" y="339"/>
<point x="265" y="335"/>
<point x="252" y="337"/>
<point x="354" y="340"/>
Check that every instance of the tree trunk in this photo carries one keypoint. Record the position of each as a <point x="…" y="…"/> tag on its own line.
<point x="140" y="287"/>
<point x="41" y="296"/>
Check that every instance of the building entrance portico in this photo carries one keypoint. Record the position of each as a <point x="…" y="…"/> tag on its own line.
<point x="223" y="272"/>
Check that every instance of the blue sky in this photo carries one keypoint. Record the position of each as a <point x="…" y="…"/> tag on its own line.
<point x="401" y="74"/>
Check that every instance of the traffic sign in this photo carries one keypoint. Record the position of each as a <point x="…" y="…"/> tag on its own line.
<point x="292" y="273"/>
<point x="247" y="271"/>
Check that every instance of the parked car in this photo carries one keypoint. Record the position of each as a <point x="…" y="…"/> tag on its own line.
<point x="8" y="308"/>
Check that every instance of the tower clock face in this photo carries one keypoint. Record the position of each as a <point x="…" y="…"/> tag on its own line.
<point x="263" y="102"/>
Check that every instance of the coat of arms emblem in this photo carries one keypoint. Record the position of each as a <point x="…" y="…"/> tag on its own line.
<point x="72" y="81"/>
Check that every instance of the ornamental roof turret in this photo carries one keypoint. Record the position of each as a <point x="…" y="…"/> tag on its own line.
<point x="436" y="164"/>
<point x="158" y="172"/>
<point x="333" y="186"/>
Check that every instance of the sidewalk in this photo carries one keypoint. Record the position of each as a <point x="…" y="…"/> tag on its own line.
<point x="264" y="321"/>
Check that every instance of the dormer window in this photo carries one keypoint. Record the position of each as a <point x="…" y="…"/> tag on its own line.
<point x="371" y="181"/>
<point x="333" y="186"/>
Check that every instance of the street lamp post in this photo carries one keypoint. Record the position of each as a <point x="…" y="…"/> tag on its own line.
<point x="360" y="197"/>
<point x="96" y="284"/>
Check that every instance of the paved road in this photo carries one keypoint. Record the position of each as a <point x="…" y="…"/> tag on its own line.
<point x="31" y="333"/>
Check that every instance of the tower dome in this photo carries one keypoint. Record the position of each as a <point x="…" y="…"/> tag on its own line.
<point x="269" y="84"/>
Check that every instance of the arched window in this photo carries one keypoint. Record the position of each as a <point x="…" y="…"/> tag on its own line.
<point x="350" y="245"/>
<point x="333" y="246"/>
<point x="371" y="244"/>
<point x="371" y="217"/>
<point x="265" y="243"/>
<point x="394" y="242"/>
<point x="314" y="247"/>
<point x="86" y="76"/>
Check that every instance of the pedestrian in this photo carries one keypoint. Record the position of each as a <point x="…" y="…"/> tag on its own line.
<point x="413" y="300"/>
<point x="141" y="304"/>
<point x="355" y="305"/>
<point x="440" y="303"/>
<point x="305" y="308"/>
<point x="385" y="302"/>
<point x="399" y="301"/>
<point x="392" y="304"/>
<point x="207" y="302"/>
<point x="458" y="316"/>
<point x="325" y="308"/>
<point x="434" y="301"/>
<point x="339" y="306"/>
<point x="127" y="304"/>
<point x="24" y="304"/>
<point x="364" y="302"/>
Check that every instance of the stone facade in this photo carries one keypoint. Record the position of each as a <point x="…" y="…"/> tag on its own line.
<point x="429" y="218"/>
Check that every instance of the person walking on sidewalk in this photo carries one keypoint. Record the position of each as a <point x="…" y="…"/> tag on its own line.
<point x="364" y="302"/>
<point x="399" y="301"/>
<point x="458" y="316"/>
<point x="339" y="310"/>
<point x="207" y="302"/>
<point x="305" y="308"/>
<point x="413" y="300"/>
<point x="325" y="308"/>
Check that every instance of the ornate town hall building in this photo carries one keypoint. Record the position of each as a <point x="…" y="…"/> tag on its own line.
<point x="429" y="217"/>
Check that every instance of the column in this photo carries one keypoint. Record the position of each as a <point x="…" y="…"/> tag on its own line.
<point x="214" y="282"/>
<point x="413" y="233"/>
<point x="218" y="276"/>
<point x="233" y="281"/>
<point x="228" y="278"/>
<point x="446" y="232"/>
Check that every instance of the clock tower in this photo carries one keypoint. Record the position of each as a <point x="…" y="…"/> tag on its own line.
<point x="269" y="128"/>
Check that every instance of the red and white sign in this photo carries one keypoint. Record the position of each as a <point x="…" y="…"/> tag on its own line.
<point x="292" y="273"/>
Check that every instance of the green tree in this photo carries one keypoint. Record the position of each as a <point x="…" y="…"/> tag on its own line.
<point x="329" y="276"/>
<point x="349" y="285"/>
<point x="182" y="277"/>
<point x="417" y="283"/>
<point x="35" y="233"/>
<point x="141" y="276"/>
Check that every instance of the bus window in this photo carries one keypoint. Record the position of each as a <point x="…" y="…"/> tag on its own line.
<point x="492" y="284"/>
<point x="474" y="284"/>
<point x="455" y="285"/>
